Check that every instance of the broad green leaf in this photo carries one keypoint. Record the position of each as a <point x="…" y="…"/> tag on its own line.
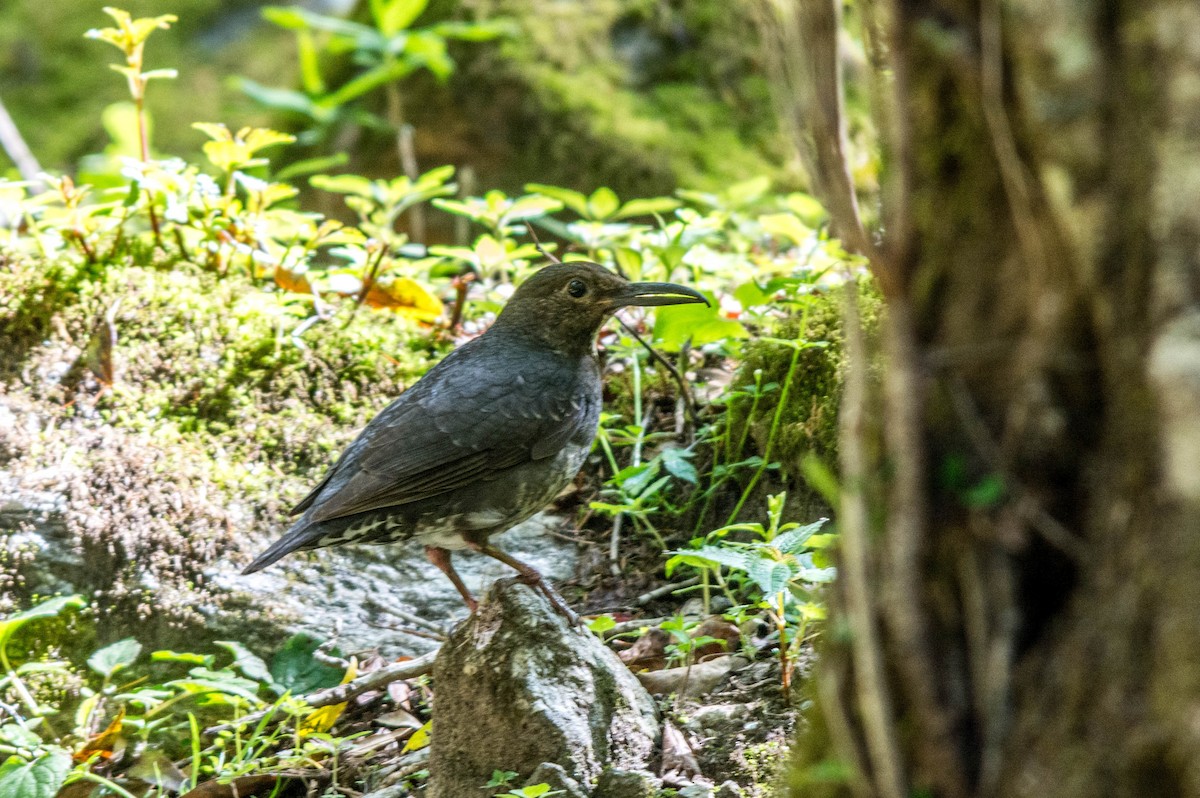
<point x="247" y="662"/>
<point x="50" y="608"/>
<point x="296" y="102"/>
<point x="785" y="225"/>
<point x="675" y="324"/>
<point x="419" y="739"/>
<point x="295" y="669"/>
<point x="821" y="478"/>
<point x="711" y="557"/>
<point x="572" y="199"/>
<point x="678" y="465"/>
<point x="647" y="207"/>
<point x="38" y="778"/>
<point x="19" y="736"/>
<point x="795" y="540"/>
<point x="808" y="209"/>
<point x="115" y="657"/>
<point x="603" y="203"/>
<point x="770" y="575"/>
<point x="602" y="623"/>
<point x="393" y="16"/>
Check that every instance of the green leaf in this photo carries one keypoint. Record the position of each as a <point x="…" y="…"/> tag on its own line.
<point x="675" y="324"/>
<point x="786" y="225"/>
<point x="678" y="465"/>
<point x="19" y="736"/>
<point x="821" y="478"/>
<point x="247" y="662"/>
<point x="807" y="208"/>
<point x="50" y="608"/>
<point x="393" y="16"/>
<point x="796" y="540"/>
<point x="603" y="203"/>
<point x="366" y="82"/>
<point x="115" y="657"/>
<point x="40" y="778"/>
<point x="343" y="184"/>
<point x="572" y="199"/>
<point x="205" y="660"/>
<point x="602" y="623"/>
<point x="295" y="669"/>
<point x="770" y="575"/>
<point x="710" y="557"/>
<point x="647" y="207"/>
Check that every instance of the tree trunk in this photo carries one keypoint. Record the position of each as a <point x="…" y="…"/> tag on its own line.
<point x="1021" y="560"/>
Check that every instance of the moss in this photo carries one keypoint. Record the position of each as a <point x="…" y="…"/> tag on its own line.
<point x="808" y="423"/>
<point x="217" y="419"/>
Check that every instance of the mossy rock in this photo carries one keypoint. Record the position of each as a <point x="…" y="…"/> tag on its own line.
<point x="808" y="421"/>
<point x="216" y="421"/>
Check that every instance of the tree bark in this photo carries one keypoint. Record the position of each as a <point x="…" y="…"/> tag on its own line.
<point x="1030" y="563"/>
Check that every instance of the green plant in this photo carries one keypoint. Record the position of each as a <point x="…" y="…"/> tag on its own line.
<point x="158" y="715"/>
<point x="781" y="561"/>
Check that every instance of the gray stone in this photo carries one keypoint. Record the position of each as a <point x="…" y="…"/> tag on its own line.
<point x="555" y="776"/>
<point x="617" y="783"/>
<point x="358" y="592"/>
<point x="729" y="789"/>
<point x="353" y="593"/>
<point x="516" y="687"/>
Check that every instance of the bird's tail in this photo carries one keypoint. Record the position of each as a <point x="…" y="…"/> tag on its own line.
<point x="298" y="537"/>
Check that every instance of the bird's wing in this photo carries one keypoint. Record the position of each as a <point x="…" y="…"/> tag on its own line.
<point x="457" y="426"/>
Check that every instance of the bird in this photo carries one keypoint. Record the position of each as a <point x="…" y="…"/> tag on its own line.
<point x="487" y="437"/>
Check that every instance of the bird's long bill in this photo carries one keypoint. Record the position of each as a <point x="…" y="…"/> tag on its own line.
<point x="647" y="294"/>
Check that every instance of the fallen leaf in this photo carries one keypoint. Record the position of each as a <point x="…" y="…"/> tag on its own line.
<point x="679" y="765"/>
<point x="419" y="739"/>
<point x="405" y="296"/>
<point x="322" y="719"/>
<point x="104" y="742"/>
<point x="649" y="652"/>
<point x="288" y="280"/>
<point x="728" y="638"/>
<point x="257" y="786"/>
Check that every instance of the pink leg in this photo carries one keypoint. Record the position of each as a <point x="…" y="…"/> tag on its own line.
<point x="441" y="558"/>
<point x="531" y="577"/>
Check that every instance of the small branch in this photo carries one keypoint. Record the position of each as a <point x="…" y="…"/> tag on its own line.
<point x="685" y="390"/>
<point x="375" y="680"/>
<point x="550" y="256"/>
<point x="19" y="152"/>
<point x="664" y="590"/>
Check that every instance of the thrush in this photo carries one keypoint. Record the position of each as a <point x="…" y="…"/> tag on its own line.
<point x="488" y="437"/>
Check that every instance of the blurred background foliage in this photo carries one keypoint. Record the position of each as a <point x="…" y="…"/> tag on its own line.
<point x="639" y="95"/>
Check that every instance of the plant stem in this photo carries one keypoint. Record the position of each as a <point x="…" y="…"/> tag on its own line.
<point x="87" y="775"/>
<point x="776" y="421"/>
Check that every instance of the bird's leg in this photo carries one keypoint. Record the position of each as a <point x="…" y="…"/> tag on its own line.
<point x="530" y="576"/>
<point x="441" y="558"/>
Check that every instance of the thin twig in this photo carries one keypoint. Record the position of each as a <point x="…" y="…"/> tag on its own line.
<point x="663" y="590"/>
<point x="684" y="389"/>
<point x="537" y="243"/>
<point x="409" y="669"/>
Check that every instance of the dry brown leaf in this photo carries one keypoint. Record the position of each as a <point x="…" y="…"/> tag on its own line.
<point x="649" y="652"/>
<point x="717" y="627"/>
<point x="104" y="742"/>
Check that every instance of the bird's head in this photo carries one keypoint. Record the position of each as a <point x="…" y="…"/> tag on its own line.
<point x="565" y="304"/>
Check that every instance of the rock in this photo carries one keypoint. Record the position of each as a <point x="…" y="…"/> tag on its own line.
<point x="691" y="681"/>
<point x="358" y="592"/>
<point x="555" y="777"/>
<point x="616" y="783"/>
<point x="354" y="593"/>
<point x="516" y="687"/>
<point x="729" y="789"/>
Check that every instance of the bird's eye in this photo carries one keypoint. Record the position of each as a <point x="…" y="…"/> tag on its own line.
<point x="576" y="288"/>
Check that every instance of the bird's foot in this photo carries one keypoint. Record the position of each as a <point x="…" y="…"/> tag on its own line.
<point x="538" y="583"/>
